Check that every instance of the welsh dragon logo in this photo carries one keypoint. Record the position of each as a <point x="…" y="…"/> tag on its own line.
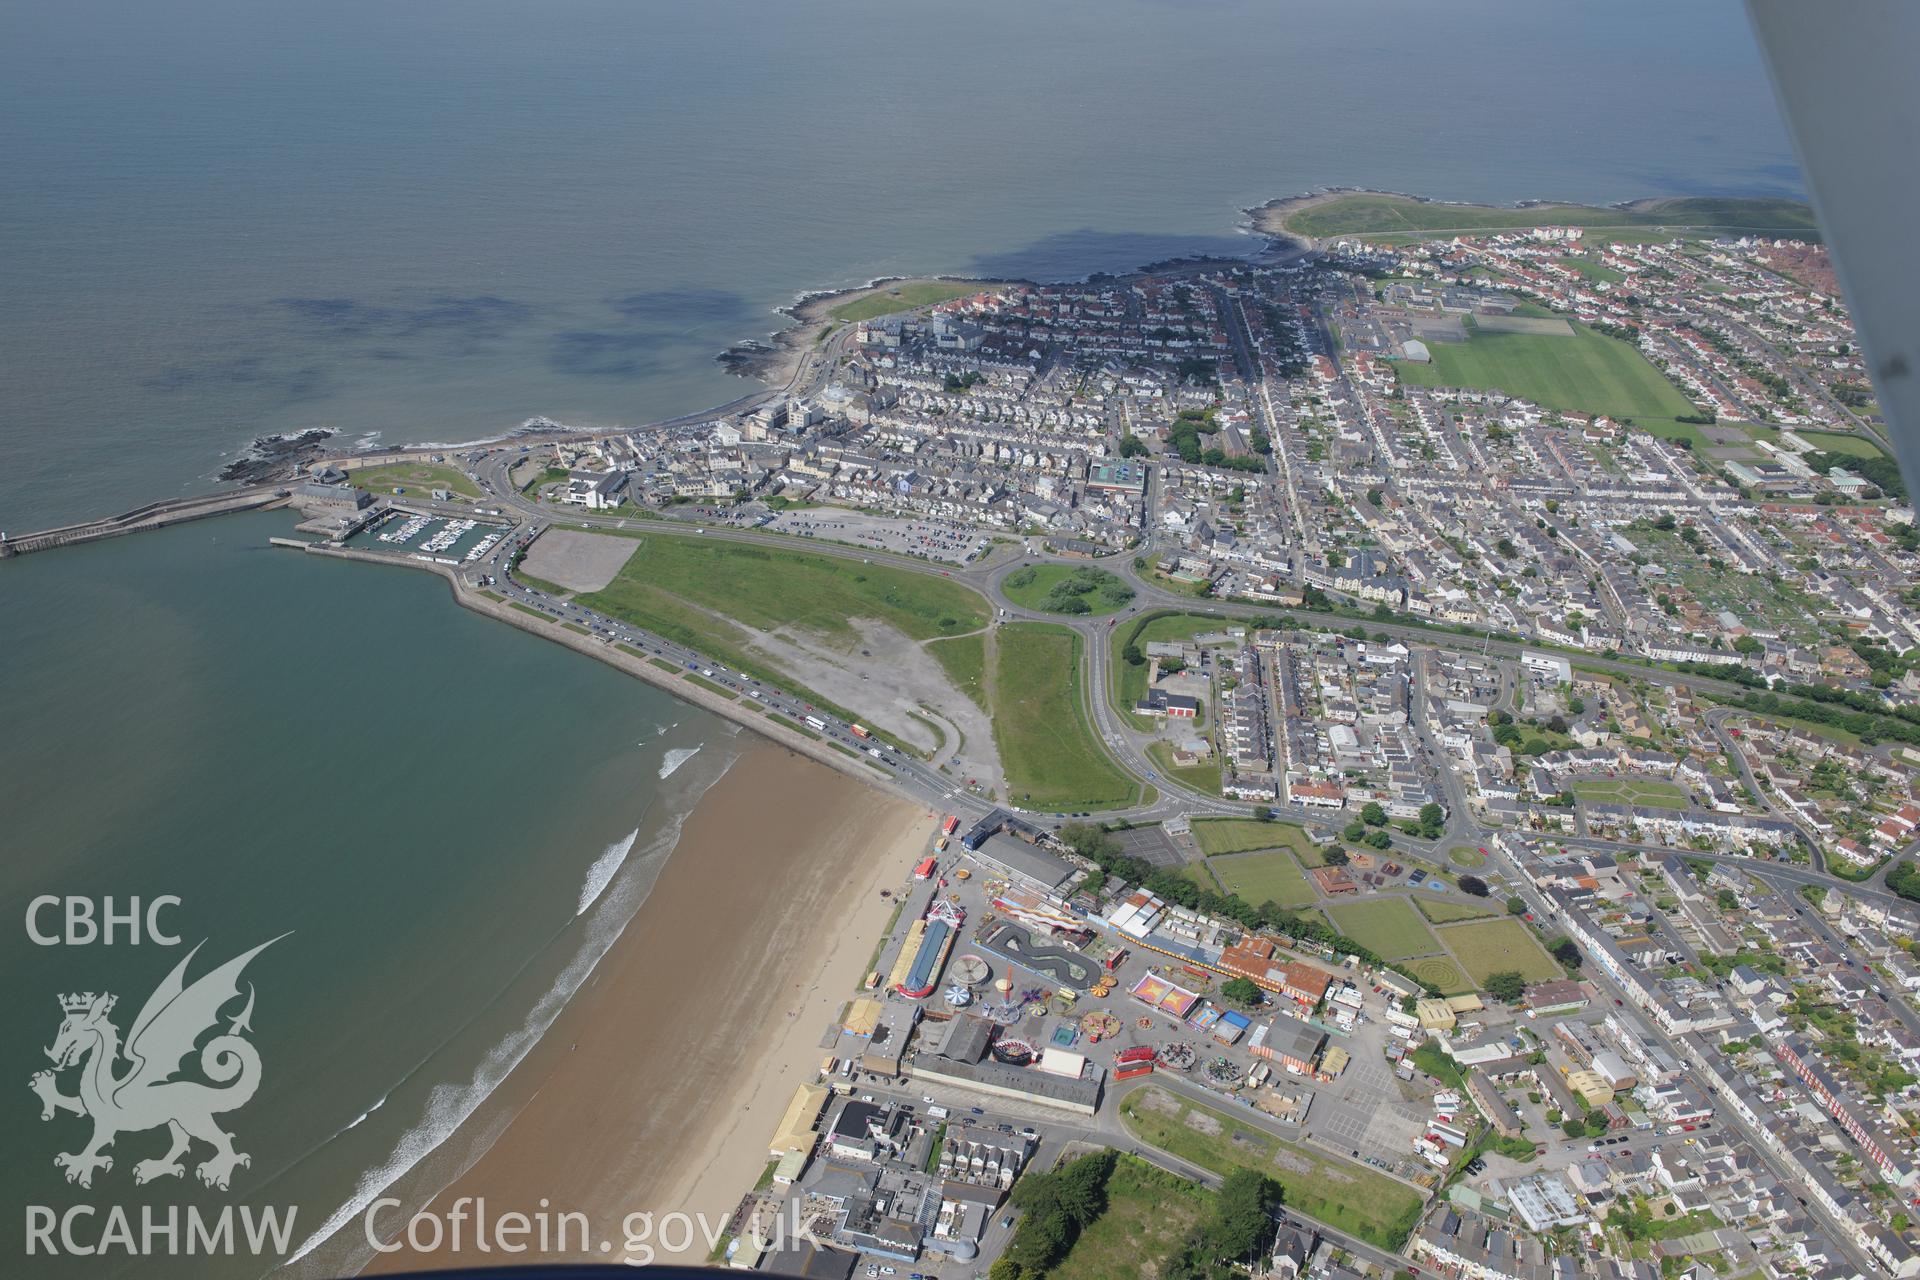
<point x="146" y="1094"/>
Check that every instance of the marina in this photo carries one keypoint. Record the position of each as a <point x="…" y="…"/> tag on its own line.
<point x="444" y="539"/>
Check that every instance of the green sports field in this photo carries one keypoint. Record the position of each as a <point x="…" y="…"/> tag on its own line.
<point x="1841" y="442"/>
<point x="1448" y="910"/>
<point x="1443" y="973"/>
<point x="1586" y="373"/>
<point x="1389" y="927"/>
<point x="1498" y="946"/>
<point x="1264" y="877"/>
<point x="1216" y="836"/>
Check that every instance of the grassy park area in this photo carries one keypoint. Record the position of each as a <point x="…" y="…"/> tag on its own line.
<point x="1053" y="760"/>
<point x="1586" y="372"/>
<point x="902" y="297"/>
<point x="1216" y="836"/>
<point x="418" y="479"/>
<point x="765" y="589"/>
<point x="1389" y="927"/>
<point x="1264" y="877"/>
<point x="1448" y="910"/>
<point x="1498" y="946"/>
<point x="1340" y="1193"/>
<point x="1841" y="442"/>
<point x="964" y="659"/>
<point x="1652" y="793"/>
<point x="1443" y="973"/>
<point x="1066" y="589"/>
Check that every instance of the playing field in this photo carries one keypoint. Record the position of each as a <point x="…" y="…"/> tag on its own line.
<point x="1264" y="877"/>
<point x="1586" y="373"/>
<point x="1448" y="910"/>
<point x="1841" y="442"/>
<point x="1388" y="927"/>
<point x="1648" y="792"/>
<point x="1239" y="835"/>
<point x="1498" y="946"/>
<point x="1340" y="1193"/>
<point x="1444" y="974"/>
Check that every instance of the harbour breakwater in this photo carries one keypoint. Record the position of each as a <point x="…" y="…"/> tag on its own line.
<point x="155" y="515"/>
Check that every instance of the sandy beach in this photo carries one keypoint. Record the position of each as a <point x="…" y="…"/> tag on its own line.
<point x="659" y="1087"/>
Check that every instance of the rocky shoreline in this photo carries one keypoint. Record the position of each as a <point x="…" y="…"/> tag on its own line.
<point x="272" y="458"/>
<point x="774" y="358"/>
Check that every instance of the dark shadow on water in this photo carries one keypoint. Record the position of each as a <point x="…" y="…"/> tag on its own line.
<point x="627" y="353"/>
<point x="470" y="320"/>
<point x="1073" y="255"/>
<point x="280" y="385"/>
<point x="684" y="307"/>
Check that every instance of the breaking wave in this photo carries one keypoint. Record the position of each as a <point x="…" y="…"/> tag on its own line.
<point x="604" y="868"/>
<point x="675" y="758"/>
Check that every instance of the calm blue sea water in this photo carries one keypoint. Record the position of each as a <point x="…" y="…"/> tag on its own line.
<point x="430" y="221"/>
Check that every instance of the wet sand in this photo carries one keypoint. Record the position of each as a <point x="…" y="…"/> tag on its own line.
<point x="659" y="1088"/>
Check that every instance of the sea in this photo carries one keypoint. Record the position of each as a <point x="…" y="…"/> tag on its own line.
<point x="435" y="221"/>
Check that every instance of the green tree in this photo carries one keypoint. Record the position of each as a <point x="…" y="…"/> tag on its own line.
<point x="1373" y="815"/>
<point x="1506" y="986"/>
<point x="1516" y="906"/>
<point x="1241" y="991"/>
<point x="1242" y="1225"/>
